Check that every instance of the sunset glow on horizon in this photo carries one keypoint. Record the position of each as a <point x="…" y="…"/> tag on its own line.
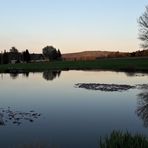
<point x="70" y="25"/>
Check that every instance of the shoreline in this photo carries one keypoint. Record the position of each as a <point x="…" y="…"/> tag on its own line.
<point x="112" y="64"/>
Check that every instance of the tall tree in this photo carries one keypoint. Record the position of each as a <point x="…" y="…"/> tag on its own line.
<point x="50" y="52"/>
<point x="5" y="57"/>
<point x="26" y="56"/>
<point x="143" y="30"/>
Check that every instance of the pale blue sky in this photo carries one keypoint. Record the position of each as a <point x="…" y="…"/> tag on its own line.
<point x="70" y="25"/>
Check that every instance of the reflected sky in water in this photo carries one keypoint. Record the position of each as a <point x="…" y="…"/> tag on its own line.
<point x="70" y="117"/>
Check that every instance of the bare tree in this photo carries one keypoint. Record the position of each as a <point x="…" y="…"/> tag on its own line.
<point x="143" y="30"/>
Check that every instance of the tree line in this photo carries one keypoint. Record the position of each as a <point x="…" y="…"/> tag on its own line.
<point x="14" y="56"/>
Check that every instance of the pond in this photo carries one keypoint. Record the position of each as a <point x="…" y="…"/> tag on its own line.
<point x="47" y="109"/>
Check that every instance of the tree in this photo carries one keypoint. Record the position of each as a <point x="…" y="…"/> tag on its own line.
<point x="5" y="57"/>
<point x="13" y="50"/>
<point x="14" y="55"/>
<point x="50" y="52"/>
<point x="59" y="54"/>
<point x="143" y="31"/>
<point x="26" y="56"/>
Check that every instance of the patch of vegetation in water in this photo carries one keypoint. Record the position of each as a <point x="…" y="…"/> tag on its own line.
<point x="17" y="117"/>
<point x="104" y="87"/>
<point x="110" y="87"/>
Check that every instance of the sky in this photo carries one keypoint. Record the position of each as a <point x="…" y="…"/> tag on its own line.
<point x="70" y="25"/>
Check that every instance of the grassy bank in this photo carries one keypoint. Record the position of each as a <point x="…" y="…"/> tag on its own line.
<point x="118" y="64"/>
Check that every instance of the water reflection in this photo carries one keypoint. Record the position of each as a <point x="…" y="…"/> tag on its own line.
<point x="47" y="75"/>
<point x="26" y="74"/>
<point x="71" y="118"/>
<point x="51" y="75"/>
<point x="133" y="74"/>
<point x="142" y="109"/>
<point x="14" y="75"/>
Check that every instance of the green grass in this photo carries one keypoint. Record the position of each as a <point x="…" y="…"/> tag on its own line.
<point x="123" y="140"/>
<point x="119" y="64"/>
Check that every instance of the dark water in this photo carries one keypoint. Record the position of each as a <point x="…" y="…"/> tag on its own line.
<point x="69" y="117"/>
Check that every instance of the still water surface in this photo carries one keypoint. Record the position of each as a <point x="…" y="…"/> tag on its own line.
<point x="69" y="117"/>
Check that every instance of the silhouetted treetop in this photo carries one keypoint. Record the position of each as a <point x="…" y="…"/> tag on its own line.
<point x="51" y="53"/>
<point x="59" y="53"/>
<point x="13" y="50"/>
<point x="143" y="31"/>
<point x="26" y="56"/>
<point x="5" y="57"/>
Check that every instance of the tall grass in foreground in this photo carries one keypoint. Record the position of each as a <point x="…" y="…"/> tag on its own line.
<point x="116" y="139"/>
<point x="123" y="140"/>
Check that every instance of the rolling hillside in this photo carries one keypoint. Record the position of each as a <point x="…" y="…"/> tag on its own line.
<point x="92" y="55"/>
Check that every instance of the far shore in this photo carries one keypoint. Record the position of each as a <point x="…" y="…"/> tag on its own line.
<point x="131" y="64"/>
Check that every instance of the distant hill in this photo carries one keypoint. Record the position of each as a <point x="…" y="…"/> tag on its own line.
<point x="92" y="55"/>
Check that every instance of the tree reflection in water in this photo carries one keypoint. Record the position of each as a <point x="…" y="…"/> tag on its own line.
<point x="26" y="74"/>
<point x="47" y="75"/>
<point x="51" y="75"/>
<point x="142" y="109"/>
<point x="14" y="75"/>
